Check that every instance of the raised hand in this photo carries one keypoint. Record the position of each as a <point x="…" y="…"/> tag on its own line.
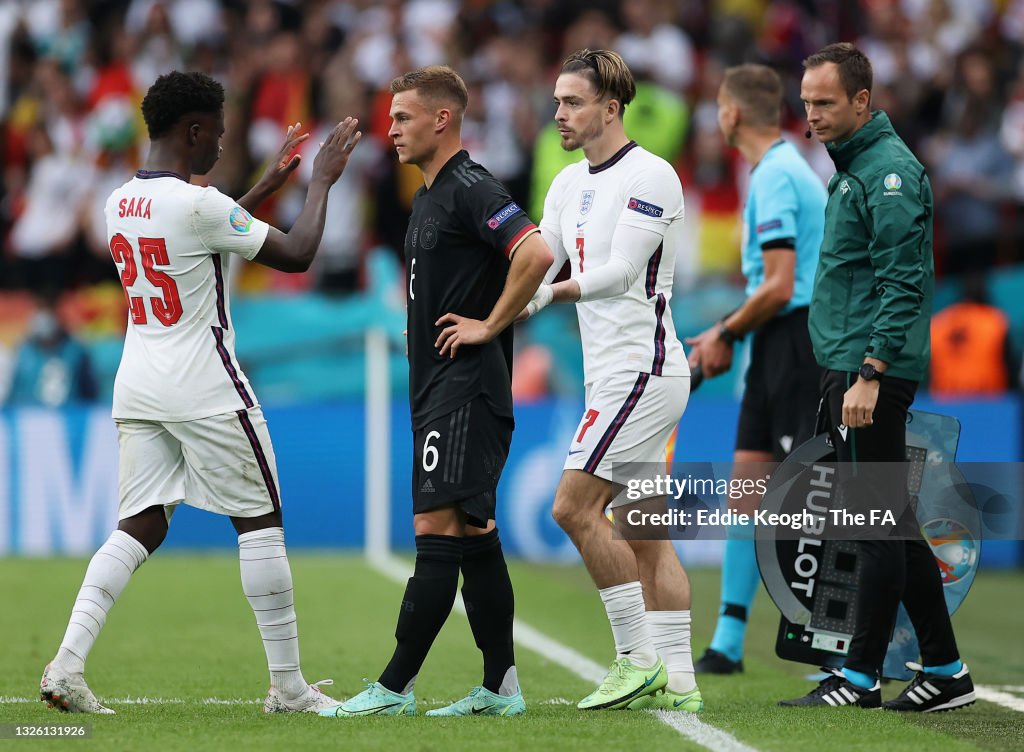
<point x="334" y="152"/>
<point x="284" y="162"/>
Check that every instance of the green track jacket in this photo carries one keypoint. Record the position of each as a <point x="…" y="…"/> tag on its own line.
<point x="873" y="287"/>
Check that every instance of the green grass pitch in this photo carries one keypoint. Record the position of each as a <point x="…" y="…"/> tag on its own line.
<point x="183" y="633"/>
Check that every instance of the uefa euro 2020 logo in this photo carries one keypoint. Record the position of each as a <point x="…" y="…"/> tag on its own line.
<point x="240" y="219"/>
<point x="954" y="549"/>
<point x="892" y="182"/>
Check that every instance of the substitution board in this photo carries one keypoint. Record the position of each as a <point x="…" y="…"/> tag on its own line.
<point x="814" y="579"/>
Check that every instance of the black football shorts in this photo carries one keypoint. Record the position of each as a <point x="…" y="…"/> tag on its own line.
<point x="780" y="398"/>
<point x="458" y="459"/>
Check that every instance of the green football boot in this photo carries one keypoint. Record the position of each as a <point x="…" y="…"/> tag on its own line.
<point x="376" y="699"/>
<point x="668" y="700"/>
<point x="623" y="684"/>
<point x="481" y="701"/>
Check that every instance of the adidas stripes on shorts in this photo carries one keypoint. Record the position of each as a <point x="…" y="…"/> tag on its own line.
<point x="458" y="459"/>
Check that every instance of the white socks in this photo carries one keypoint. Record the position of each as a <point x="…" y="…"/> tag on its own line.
<point x="645" y="636"/>
<point x="267" y="583"/>
<point x="625" y="607"/>
<point x="670" y="632"/>
<point x="108" y="573"/>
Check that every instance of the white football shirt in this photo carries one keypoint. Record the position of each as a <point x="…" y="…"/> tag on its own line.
<point x="169" y="240"/>
<point x="584" y="206"/>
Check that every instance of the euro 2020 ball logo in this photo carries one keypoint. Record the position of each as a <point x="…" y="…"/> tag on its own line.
<point x="240" y="219"/>
<point x="892" y="182"/>
<point x="954" y="549"/>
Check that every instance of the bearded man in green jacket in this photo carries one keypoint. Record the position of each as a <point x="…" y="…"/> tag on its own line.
<point x="869" y="322"/>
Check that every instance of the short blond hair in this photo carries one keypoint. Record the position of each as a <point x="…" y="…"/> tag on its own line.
<point x="438" y="83"/>
<point x="607" y="71"/>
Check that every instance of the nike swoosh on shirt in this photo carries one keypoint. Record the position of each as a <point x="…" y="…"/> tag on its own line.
<point x="579" y="225"/>
<point x="577" y="451"/>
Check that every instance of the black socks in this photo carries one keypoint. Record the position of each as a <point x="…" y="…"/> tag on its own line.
<point x="490" y="604"/>
<point x="428" y="600"/>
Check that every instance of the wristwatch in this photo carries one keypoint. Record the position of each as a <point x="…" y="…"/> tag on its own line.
<point x="869" y="373"/>
<point x="726" y="334"/>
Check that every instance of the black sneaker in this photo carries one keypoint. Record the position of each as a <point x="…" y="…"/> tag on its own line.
<point x="929" y="693"/>
<point x="835" y="691"/>
<point x="713" y="662"/>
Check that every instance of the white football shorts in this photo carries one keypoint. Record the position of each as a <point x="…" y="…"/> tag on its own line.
<point x="628" y="419"/>
<point x="224" y="464"/>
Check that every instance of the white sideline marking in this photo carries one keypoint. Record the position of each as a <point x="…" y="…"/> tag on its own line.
<point x="694" y="729"/>
<point x="991" y="694"/>
<point x="687" y="724"/>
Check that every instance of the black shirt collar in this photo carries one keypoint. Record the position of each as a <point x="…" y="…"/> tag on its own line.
<point x="149" y="174"/>
<point x="458" y="158"/>
<point x="614" y="159"/>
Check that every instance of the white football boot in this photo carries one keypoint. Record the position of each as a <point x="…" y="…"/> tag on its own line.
<point x="312" y="702"/>
<point x="69" y="692"/>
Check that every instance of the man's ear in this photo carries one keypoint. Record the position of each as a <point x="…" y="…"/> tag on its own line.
<point x="442" y="120"/>
<point x="862" y="100"/>
<point x="193" y="134"/>
<point x="612" y="109"/>
<point x="733" y="116"/>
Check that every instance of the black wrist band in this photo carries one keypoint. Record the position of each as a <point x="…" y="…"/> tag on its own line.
<point x="726" y="334"/>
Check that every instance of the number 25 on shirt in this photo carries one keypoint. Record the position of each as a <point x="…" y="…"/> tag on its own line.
<point x="153" y="251"/>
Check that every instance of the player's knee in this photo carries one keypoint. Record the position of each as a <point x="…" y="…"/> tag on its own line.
<point x="443" y="521"/>
<point x="564" y="512"/>
<point x="244" y="525"/>
<point x="150" y="539"/>
<point x="148" y="527"/>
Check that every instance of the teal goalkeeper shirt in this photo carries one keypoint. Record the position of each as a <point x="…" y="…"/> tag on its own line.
<point x="786" y="199"/>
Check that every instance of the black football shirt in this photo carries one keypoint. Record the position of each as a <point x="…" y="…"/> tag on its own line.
<point x="457" y="248"/>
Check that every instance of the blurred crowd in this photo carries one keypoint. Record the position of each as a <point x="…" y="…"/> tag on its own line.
<point x="72" y="73"/>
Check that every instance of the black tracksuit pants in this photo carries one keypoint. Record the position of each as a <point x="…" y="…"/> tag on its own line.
<point x="893" y="569"/>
